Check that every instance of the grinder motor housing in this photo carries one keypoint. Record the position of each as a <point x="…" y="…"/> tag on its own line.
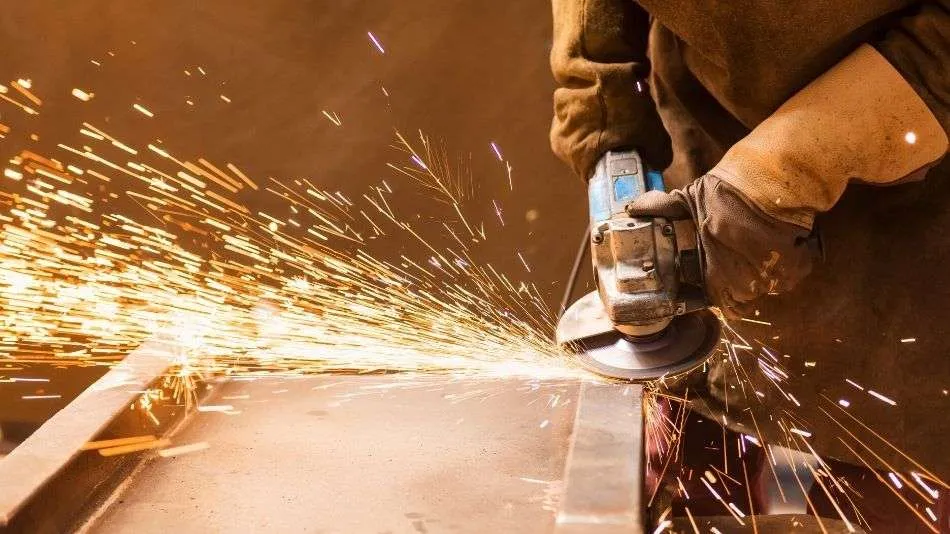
<point x="647" y="270"/>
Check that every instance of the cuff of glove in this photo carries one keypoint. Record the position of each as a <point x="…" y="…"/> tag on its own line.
<point x="859" y="121"/>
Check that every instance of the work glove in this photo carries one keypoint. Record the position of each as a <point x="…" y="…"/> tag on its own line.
<point x="860" y="121"/>
<point x="747" y="253"/>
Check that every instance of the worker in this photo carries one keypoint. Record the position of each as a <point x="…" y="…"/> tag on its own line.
<point x="769" y="119"/>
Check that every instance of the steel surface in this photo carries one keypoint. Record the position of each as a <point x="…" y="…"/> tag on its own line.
<point x="603" y="476"/>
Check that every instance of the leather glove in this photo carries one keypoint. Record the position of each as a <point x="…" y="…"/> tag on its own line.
<point x="747" y="253"/>
<point x="858" y="122"/>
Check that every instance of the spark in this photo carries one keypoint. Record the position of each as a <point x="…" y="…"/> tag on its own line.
<point x="895" y="480"/>
<point x="91" y="134"/>
<point x="909" y="340"/>
<point x="143" y="110"/>
<point x="736" y="510"/>
<point x="498" y="212"/>
<point x="128" y="279"/>
<point x="682" y="488"/>
<point x="497" y="152"/>
<point x="23" y="87"/>
<point x="376" y="42"/>
<point x="183" y="449"/>
<point x="692" y="521"/>
<point x="225" y="99"/>
<point x="917" y="478"/>
<point x="731" y="508"/>
<point x="334" y="118"/>
<point x="3" y="96"/>
<point x="878" y="396"/>
<point x="117" y="442"/>
<point x="523" y="262"/>
<point x="40" y="397"/>
<point x="910" y="138"/>
<point x="82" y="95"/>
<point x="418" y="161"/>
<point x="216" y="408"/>
<point x="134" y="447"/>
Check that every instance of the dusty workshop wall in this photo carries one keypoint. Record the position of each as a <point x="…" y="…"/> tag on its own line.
<point x="465" y="72"/>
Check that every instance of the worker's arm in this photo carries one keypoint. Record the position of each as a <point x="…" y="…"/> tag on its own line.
<point x="880" y="116"/>
<point x="599" y="62"/>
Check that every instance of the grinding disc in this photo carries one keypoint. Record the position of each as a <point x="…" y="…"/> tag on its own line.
<point x="686" y="343"/>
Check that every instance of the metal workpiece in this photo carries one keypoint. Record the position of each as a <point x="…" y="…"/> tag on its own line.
<point x="359" y="454"/>
<point x="49" y="480"/>
<point x="604" y="473"/>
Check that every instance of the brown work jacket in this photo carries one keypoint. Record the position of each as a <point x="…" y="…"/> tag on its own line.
<point x="684" y="80"/>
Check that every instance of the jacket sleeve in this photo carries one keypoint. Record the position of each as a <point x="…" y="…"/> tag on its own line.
<point x="599" y="61"/>
<point x="880" y="116"/>
<point x="918" y="46"/>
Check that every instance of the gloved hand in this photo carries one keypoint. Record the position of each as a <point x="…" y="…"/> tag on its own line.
<point x="860" y="121"/>
<point x="747" y="252"/>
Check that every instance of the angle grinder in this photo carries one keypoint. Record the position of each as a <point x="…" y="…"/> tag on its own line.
<point x="649" y="317"/>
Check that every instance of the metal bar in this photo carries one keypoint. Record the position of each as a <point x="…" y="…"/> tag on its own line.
<point x="48" y="451"/>
<point x="604" y="475"/>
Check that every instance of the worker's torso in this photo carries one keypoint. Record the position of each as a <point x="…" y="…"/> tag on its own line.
<point x="720" y="68"/>
<point x="752" y="55"/>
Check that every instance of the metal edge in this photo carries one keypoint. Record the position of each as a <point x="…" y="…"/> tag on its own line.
<point x="604" y="472"/>
<point x="48" y="479"/>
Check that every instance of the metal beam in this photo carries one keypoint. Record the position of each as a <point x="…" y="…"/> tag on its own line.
<point x="604" y="475"/>
<point x="48" y="477"/>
